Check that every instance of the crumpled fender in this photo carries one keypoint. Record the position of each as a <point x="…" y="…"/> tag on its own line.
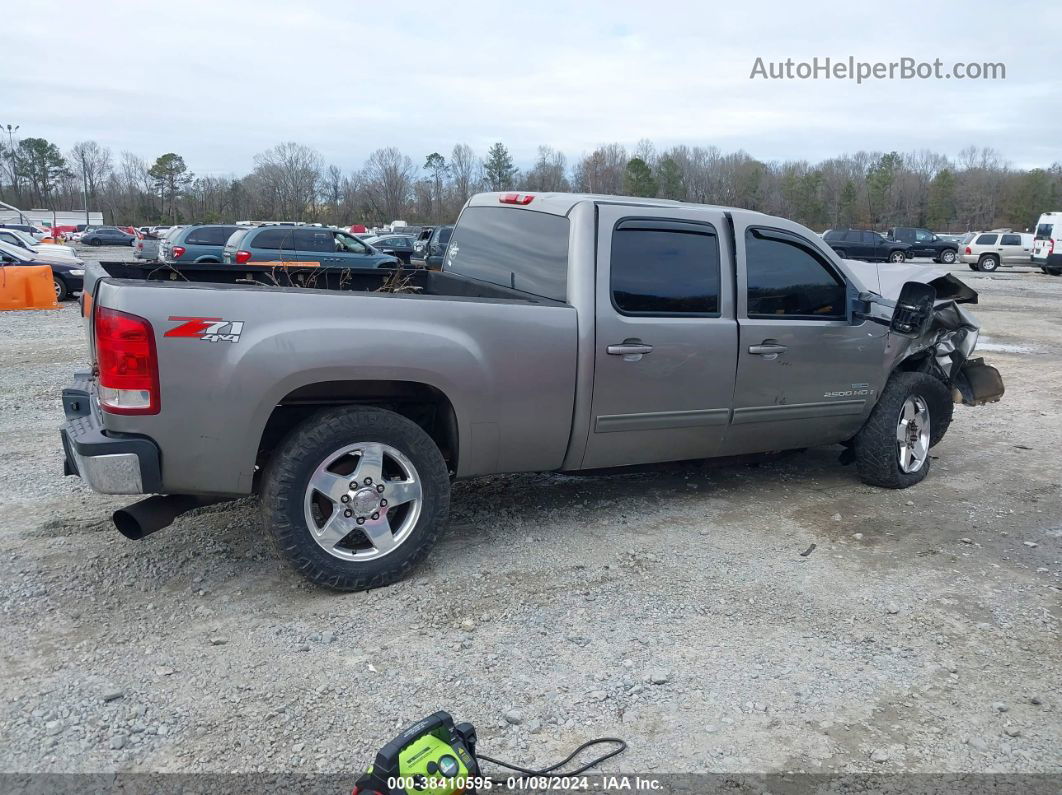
<point x="952" y="335"/>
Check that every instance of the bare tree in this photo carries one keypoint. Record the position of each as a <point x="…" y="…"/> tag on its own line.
<point x="388" y="176"/>
<point x="91" y="165"/>
<point x="291" y="172"/>
<point x="463" y="168"/>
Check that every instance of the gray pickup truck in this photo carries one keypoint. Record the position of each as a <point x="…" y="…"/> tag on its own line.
<point x="564" y="332"/>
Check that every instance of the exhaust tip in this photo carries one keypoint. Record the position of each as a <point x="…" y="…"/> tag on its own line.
<point x="128" y="525"/>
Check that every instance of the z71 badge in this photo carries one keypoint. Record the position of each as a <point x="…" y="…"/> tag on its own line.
<point x="207" y="329"/>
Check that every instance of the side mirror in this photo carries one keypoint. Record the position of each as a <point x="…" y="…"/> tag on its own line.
<point x="914" y="309"/>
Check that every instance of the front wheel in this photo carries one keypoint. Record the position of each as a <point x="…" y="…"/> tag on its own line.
<point x="948" y="257"/>
<point x="354" y="498"/>
<point x="60" y="288"/>
<point x="95" y="242"/>
<point x="892" y="448"/>
<point x="897" y="256"/>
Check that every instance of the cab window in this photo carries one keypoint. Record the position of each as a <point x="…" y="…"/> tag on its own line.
<point x="787" y="278"/>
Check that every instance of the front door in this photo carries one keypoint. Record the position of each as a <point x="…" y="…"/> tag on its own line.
<point x="806" y="375"/>
<point x="665" y="336"/>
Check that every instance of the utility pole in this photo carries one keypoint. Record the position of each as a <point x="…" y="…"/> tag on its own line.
<point x="11" y="130"/>
<point x="84" y="178"/>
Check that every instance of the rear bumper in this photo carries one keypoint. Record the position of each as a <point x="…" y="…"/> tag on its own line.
<point x="109" y="463"/>
<point x="1050" y="261"/>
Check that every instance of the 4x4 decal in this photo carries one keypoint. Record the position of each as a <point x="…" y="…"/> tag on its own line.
<point x="207" y="329"/>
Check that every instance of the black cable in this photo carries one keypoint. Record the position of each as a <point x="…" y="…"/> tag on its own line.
<point x="548" y="770"/>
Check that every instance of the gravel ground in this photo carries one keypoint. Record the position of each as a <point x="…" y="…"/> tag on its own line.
<point x="670" y="606"/>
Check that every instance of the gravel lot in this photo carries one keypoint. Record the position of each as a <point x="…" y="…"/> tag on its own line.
<point x="670" y="606"/>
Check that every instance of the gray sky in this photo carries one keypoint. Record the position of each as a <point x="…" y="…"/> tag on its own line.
<point x="219" y="81"/>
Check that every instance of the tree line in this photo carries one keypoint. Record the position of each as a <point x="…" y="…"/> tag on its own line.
<point x="976" y="189"/>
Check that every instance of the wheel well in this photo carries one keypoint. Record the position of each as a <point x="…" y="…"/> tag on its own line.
<point x="423" y="404"/>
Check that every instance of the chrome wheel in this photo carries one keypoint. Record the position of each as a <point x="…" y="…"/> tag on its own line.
<point x="912" y="434"/>
<point x="363" y="501"/>
<point x="896" y="256"/>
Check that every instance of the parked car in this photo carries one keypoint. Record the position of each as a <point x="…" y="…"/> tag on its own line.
<point x="924" y="243"/>
<point x="195" y="243"/>
<point x="107" y="236"/>
<point x="17" y="237"/>
<point x="430" y="256"/>
<point x="308" y="245"/>
<point x="399" y="245"/>
<point x="421" y="241"/>
<point x="672" y="331"/>
<point x="146" y="246"/>
<point x="986" y="251"/>
<point x="1047" y="251"/>
<point x="866" y="245"/>
<point x="67" y="274"/>
<point x="34" y="231"/>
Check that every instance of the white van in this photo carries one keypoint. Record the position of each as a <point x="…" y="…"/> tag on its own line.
<point x="1047" y="252"/>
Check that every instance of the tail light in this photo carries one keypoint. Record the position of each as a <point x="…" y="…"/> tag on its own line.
<point x="177" y="252"/>
<point x="242" y="257"/>
<point x="968" y="250"/>
<point x="128" y="363"/>
<point x="516" y="198"/>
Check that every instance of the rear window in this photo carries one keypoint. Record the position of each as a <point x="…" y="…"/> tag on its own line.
<point x="986" y="240"/>
<point x="1043" y="231"/>
<point x="273" y="238"/>
<point x="236" y="238"/>
<point x="522" y="249"/>
<point x="210" y="235"/>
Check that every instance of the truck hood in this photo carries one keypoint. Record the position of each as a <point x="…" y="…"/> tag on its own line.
<point x="887" y="278"/>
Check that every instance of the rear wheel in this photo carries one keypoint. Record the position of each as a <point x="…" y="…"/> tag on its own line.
<point x="95" y="241"/>
<point x="892" y="448"/>
<point x="897" y="256"/>
<point x="60" y="288"/>
<point x="1053" y="271"/>
<point x="988" y="263"/>
<point x="354" y="498"/>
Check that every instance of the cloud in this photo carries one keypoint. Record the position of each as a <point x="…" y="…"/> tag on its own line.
<point x="218" y="82"/>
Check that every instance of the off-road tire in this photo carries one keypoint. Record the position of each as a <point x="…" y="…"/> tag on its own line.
<point x="292" y="464"/>
<point x="876" y="456"/>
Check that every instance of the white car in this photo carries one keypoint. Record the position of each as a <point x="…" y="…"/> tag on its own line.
<point x="1047" y="250"/>
<point x="16" y="237"/>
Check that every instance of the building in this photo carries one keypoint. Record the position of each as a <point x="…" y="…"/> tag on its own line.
<point x="49" y="218"/>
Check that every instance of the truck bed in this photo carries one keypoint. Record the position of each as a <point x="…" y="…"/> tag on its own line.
<point x="383" y="280"/>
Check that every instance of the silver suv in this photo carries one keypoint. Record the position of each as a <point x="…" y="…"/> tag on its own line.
<point x="986" y="251"/>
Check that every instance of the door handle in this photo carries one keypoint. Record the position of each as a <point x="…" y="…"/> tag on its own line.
<point x="629" y="348"/>
<point x="767" y="349"/>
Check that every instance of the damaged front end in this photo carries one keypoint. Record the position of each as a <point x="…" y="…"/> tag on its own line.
<point x="932" y="331"/>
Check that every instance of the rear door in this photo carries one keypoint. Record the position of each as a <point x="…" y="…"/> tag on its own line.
<point x="1011" y="249"/>
<point x="806" y="373"/>
<point x="665" y="336"/>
